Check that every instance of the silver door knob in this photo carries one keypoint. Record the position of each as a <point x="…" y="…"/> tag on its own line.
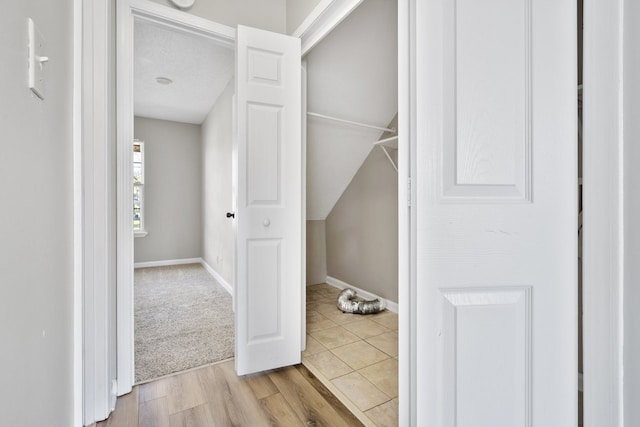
<point x="266" y="222"/>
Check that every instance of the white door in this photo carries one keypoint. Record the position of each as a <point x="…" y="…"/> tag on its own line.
<point x="496" y="213"/>
<point x="269" y="203"/>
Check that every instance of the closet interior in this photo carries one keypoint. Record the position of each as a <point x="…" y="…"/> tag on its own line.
<point x="352" y="210"/>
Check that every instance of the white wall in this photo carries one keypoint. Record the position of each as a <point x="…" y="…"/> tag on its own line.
<point x="218" y="244"/>
<point x="36" y="220"/>
<point x="632" y="213"/>
<point x="297" y="11"/>
<point x="172" y="190"/>
<point x="265" y="14"/>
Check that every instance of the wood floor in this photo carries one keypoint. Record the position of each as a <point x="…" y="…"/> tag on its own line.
<point x="215" y="396"/>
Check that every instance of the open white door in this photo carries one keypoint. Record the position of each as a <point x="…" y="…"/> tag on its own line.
<point x="269" y="204"/>
<point x="495" y="213"/>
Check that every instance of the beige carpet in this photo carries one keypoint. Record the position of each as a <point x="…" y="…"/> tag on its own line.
<point x="183" y="319"/>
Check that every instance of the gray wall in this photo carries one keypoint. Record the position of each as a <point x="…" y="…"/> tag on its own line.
<point x="266" y="14"/>
<point x="362" y="229"/>
<point x="36" y="220"/>
<point x="631" y="214"/>
<point x="316" y="252"/>
<point x="297" y="11"/>
<point x="218" y="244"/>
<point x="173" y="189"/>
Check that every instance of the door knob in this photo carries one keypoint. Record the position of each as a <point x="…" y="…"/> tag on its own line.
<point x="231" y="215"/>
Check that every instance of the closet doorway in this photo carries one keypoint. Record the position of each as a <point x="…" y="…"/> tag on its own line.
<point x="352" y="209"/>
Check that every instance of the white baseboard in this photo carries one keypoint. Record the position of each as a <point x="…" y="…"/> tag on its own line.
<point x="217" y="276"/>
<point x="167" y="262"/>
<point x="337" y="283"/>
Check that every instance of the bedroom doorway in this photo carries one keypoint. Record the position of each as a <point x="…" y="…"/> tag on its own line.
<point x="183" y="85"/>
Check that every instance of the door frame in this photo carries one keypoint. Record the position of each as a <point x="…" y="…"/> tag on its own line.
<point x="603" y="202"/>
<point x="127" y="12"/>
<point x="601" y="104"/>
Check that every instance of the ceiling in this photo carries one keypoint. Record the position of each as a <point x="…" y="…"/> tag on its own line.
<point x="200" y="69"/>
<point x="353" y="75"/>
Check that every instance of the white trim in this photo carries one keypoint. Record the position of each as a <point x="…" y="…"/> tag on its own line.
<point x="140" y="233"/>
<point x="127" y="12"/>
<point x="322" y="20"/>
<point x="603" y="224"/>
<point x="124" y="201"/>
<point x="227" y="287"/>
<point x="337" y="283"/>
<point x="153" y="12"/>
<point x="303" y="254"/>
<point x="311" y="18"/>
<point x="407" y="287"/>
<point x="167" y="262"/>
<point x="78" y="219"/>
<point x="97" y="222"/>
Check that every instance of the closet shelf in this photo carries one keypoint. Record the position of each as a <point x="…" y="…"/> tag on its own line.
<point x="388" y="143"/>
<point x="350" y="122"/>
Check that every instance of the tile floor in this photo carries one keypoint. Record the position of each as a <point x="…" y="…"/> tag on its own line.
<point x="355" y="356"/>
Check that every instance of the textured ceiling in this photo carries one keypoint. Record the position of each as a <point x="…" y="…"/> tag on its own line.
<point x="199" y="67"/>
<point x="352" y="74"/>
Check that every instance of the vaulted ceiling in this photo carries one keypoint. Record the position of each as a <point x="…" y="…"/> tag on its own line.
<point x="352" y="74"/>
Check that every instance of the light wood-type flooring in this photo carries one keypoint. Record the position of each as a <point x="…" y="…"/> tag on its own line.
<point x="215" y="396"/>
<point x="355" y="356"/>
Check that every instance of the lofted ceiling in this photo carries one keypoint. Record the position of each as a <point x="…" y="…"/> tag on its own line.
<point x="200" y="69"/>
<point x="352" y="74"/>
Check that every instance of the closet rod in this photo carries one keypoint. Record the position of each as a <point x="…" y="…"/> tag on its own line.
<point x="383" y="141"/>
<point x="322" y="116"/>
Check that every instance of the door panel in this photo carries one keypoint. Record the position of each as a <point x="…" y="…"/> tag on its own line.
<point x="496" y="213"/>
<point x="269" y="203"/>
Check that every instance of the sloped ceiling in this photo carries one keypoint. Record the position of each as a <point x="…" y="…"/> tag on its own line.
<point x="199" y="67"/>
<point x="352" y="74"/>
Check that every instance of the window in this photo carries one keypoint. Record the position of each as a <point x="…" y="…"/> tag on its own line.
<point x="138" y="189"/>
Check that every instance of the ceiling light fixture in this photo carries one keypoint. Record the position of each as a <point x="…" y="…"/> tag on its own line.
<point x="164" y="80"/>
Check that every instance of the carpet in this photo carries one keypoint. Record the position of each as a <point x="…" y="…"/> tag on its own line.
<point x="183" y="319"/>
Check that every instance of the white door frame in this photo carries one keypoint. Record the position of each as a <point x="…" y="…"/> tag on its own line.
<point x="407" y="325"/>
<point x="94" y="220"/>
<point x="127" y="12"/>
<point x="603" y="253"/>
<point x="603" y="225"/>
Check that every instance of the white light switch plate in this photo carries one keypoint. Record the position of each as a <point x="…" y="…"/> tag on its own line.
<point x="37" y="61"/>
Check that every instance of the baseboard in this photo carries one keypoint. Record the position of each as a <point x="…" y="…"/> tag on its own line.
<point x="337" y="283"/>
<point x="217" y="276"/>
<point x="167" y="262"/>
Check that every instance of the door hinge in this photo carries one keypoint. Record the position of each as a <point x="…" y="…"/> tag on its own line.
<point x="408" y="191"/>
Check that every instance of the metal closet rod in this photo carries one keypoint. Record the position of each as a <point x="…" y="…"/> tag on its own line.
<point x="322" y="116"/>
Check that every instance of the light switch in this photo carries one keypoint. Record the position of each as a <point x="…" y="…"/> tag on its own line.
<point x="37" y="61"/>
